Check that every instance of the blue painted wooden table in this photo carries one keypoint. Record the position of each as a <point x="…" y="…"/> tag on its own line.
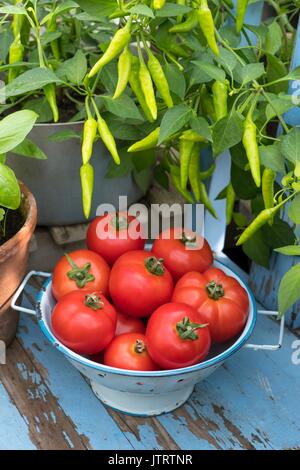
<point x="252" y="402"/>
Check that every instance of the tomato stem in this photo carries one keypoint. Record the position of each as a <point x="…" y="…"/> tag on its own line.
<point x="186" y="329"/>
<point x="215" y="291"/>
<point x="188" y="239"/>
<point x="119" y="222"/>
<point x="80" y="275"/>
<point x="94" y="302"/>
<point x="139" y="346"/>
<point x="155" y="265"/>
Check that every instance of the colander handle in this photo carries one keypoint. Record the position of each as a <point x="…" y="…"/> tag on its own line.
<point x="20" y="290"/>
<point x="269" y="347"/>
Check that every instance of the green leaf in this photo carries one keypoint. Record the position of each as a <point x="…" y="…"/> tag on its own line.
<point x="122" y="170"/>
<point x="244" y="74"/>
<point x="30" y="80"/>
<point x="227" y="60"/>
<point x="294" y="210"/>
<point x="122" y="130"/>
<point x="175" y="79"/>
<point x="29" y="149"/>
<point x="143" y="160"/>
<point x="41" y="107"/>
<point x="64" y="6"/>
<point x="293" y="75"/>
<point x="276" y="69"/>
<point x="243" y="183"/>
<point x="62" y="136"/>
<point x="14" y="128"/>
<point x="290" y="146"/>
<point x="143" y="10"/>
<point x="6" y="38"/>
<point x="280" y="105"/>
<point x="257" y="250"/>
<point x="143" y="179"/>
<point x="123" y="107"/>
<point x="10" y="193"/>
<point x="211" y="71"/>
<point x="278" y="234"/>
<point x="227" y="132"/>
<point x="201" y="126"/>
<point x="172" y="9"/>
<point x="273" y="40"/>
<point x="289" y="292"/>
<point x="174" y="120"/>
<point x="98" y="8"/>
<point x="2" y="214"/>
<point x="239" y="219"/>
<point x="74" y="69"/>
<point x="271" y="157"/>
<point x="289" y="250"/>
<point x="13" y="10"/>
<point x="161" y="176"/>
<point x="49" y="37"/>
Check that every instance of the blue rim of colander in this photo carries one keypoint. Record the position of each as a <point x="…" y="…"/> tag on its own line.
<point x="161" y="373"/>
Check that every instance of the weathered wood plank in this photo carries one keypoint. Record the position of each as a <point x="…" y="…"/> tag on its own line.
<point x="14" y="432"/>
<point x="49" y="428"/>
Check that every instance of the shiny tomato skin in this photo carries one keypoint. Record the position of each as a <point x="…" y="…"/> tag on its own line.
<point x="227" y="315"/>
<point x="165" y="345"/>
<point x="129" y="324"/>
<point x="81" y="328"/>
<point x="179" y="258"/>
<point x="116" y="241"/>
<point x="121" y="353"/>
<point x="136" y="291"/>
<point x="62" y="285"/>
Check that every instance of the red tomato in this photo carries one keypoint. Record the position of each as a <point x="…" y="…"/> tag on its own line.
<point x="128" y="324"/>
<point x="80" y="270"/>
<point x="177" y="336"/>
<point x="182" y="251"/>
<point x="84" y="322"/>
<point x="220" y="299"/>
<point x="128" y="351"/>
<point x="139" y="283"/>
<point x="111" y="235"/>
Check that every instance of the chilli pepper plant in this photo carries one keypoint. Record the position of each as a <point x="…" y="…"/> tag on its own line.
<point x="188" y="78"/>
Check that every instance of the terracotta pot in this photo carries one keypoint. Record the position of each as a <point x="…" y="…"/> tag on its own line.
<point x="13" y="261"/>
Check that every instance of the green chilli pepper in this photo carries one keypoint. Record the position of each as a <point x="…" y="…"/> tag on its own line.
<point x="87" y="185"/>
<point x="147" y="88"/>
<point x="175" y="177"/>
<point x="185" y="150"/>
<point x="190" y="23"/>
<point x="149" y="142"/>
<point x="268" y="179"/>
<point x="207" y="26"/>
<point x="16" y="54"/>
<point x="89" y="134"/>
<point x="230" y="200"/>
<point x="265" y="216"/>
<point x="251" y="148"/>
<point x="135" y="85"/>
<point x="51" y="26"/>
<point x="158" y="4"/>
<point x="182" y="3"/>
<point x="220" y="96"/>
<point x="159" y="79"/>
<point x="241" y="9"/>
<point x="108" y="139"/>
<point x="207" y="104"/>
<point x="194" y="169"/>
<point x="205" y="200"/>
<point x="118" y="43"/>
<point x="189" y="134"/>
<point x="207" y="173"/>
<point x="124" y="67"/>
<point x="50" y="94"/>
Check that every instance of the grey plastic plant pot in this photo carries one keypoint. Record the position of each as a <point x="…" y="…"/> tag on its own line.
<point x="55" y="182"/>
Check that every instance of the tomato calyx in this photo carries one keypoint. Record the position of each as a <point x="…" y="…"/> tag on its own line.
<point x="94" y="302"/>
<point x="139" y="346"/>
<point x="119" y="222"/>
<point x="155" y="265"/>
<point x="80" y="275"/>
<point x="188" y="240"/>
<point x="215" y="291"/>
<point x="186" y="329"/>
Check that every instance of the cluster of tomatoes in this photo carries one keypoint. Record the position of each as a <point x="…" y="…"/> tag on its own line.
<point x="144" y="310"/>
